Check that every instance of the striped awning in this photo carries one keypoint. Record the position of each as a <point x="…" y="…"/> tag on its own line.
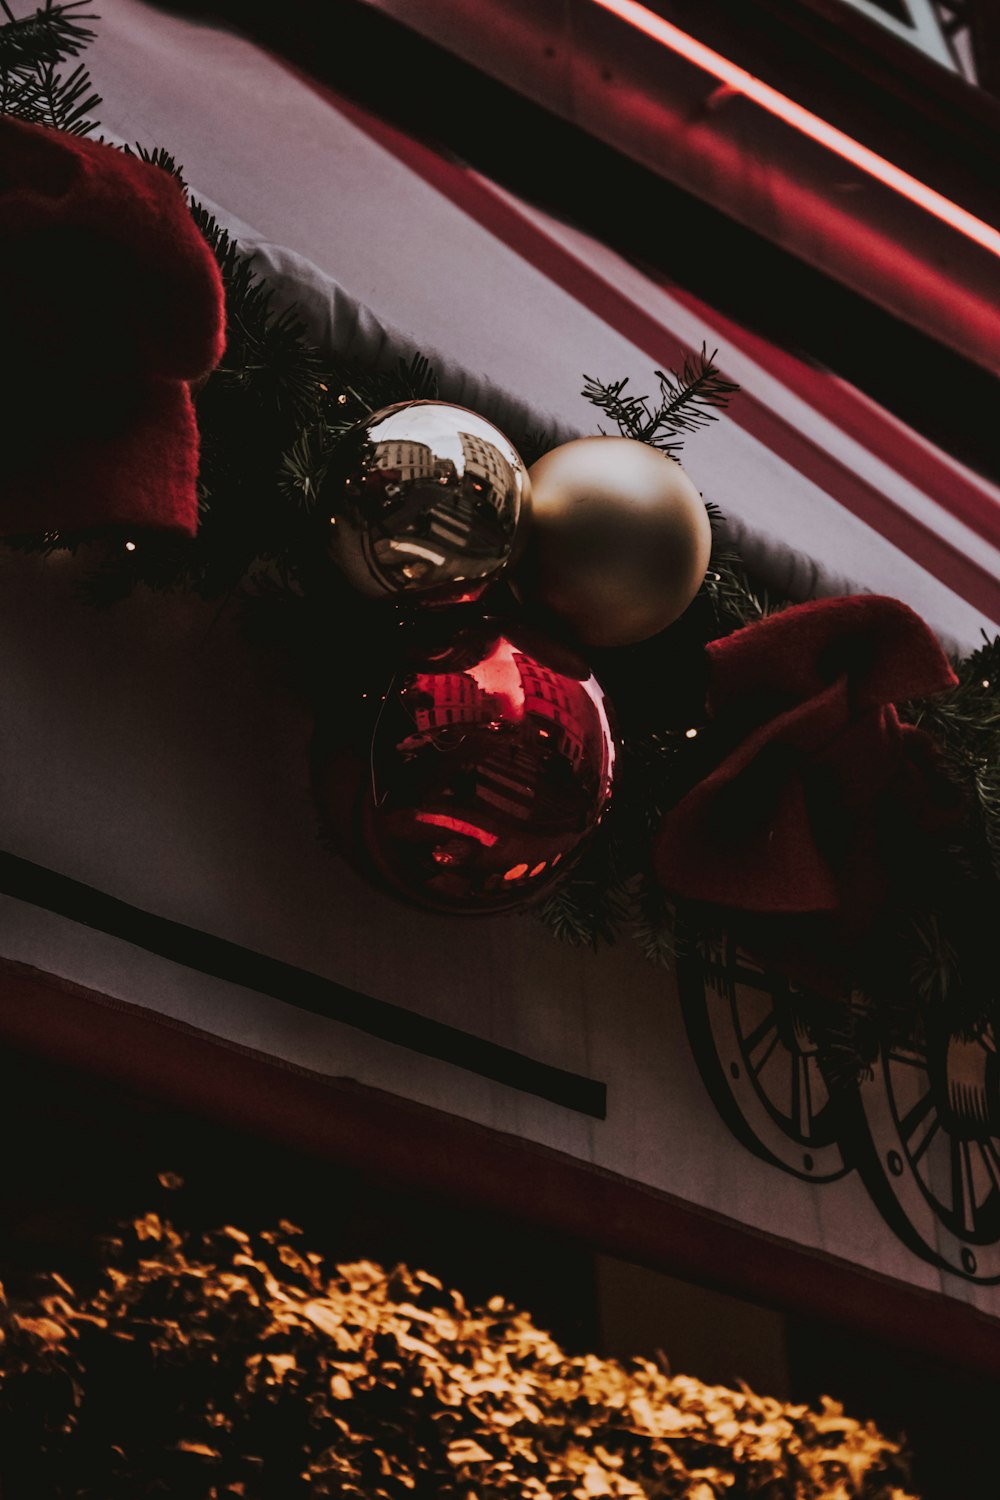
<point x="389" y="247"/>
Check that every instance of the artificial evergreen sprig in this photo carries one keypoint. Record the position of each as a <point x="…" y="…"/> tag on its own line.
<point x="966" y="725"/>
<point x="51" y="34"/>
<point x="735" y="600"/>
<point x="688" y="400"/>
<point x="592" y="904"/>
<point x="32" y="50"/>
<point x="267" y="352"/>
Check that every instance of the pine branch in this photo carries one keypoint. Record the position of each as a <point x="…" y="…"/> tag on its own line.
<point x="32" y="49"/>
<point x="304" y="467"/>
<point x="533" y="443"/>
<point x="694" y="398"/>
<point x="158" y="157"/>
<point x="64" y="103"/>
<point x="49" y="36"/>
<point x="688" y="400"/>
<point x="359" y="393"/>
<point x="847" y="1040"/>
<point x="591" y="903"/>
<point x="734" y="599"/>
<point x="653" y="923"/>
<point x="986" y="782"/>
<point x="966" y="725"/>
<point x="577" y="912"/>
<point x="417" y="377"/>
<point x="267" y="353"/>
<point x="933" y="969"/>
<point x="646" y="787"/>
<point x="46" y="98"/>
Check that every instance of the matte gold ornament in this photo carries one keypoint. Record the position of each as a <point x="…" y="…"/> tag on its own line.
<point x="490" y="766"/>
<point x="430" y="505"/>
<point x="620" y="539"/>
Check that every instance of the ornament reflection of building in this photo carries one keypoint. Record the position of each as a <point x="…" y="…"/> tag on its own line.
<point x="457" y="699"/>
<point x="546" y="698"/>
<point x="442" y="510"/>
<point x="529" y="772"/>
<point x="550" y="752"/>
<point x="504" y="774"/>
<point x="457" y="517"/>
<point x="505" y="782"/>
<point x="485" y="465"/>
<point x="410" y="460"/>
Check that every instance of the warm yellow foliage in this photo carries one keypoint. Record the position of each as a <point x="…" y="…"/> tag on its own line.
<point x="256" y="1368"/>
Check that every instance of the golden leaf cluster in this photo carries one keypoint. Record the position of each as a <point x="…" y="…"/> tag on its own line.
<point x="225" y="1365"/>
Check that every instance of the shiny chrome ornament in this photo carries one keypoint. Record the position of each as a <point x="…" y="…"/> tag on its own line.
<point x="428" y="505"/>
<point x="491" y="765"/>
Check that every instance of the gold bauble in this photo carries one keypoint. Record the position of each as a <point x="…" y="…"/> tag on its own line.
<point x="619" y="542"/>
<point x="426" y="502"/>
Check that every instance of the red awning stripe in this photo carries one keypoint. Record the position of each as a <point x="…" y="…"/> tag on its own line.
<point x="969" y="500"/>
<point x="797" y="117"/>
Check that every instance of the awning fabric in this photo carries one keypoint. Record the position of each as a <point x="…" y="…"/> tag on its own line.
<point x="622" y="72"/>
<point x="389" y="245"/>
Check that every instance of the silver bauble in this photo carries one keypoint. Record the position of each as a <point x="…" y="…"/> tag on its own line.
<point x="431" y="505"/>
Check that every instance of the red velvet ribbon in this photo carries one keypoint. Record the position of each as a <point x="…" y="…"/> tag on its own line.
<point x="820" y="792"/>
<point x="112" y="304"/>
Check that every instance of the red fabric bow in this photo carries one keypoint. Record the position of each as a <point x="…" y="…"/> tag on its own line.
<point x="111" y="303"/>
<point x="821" y="791"/>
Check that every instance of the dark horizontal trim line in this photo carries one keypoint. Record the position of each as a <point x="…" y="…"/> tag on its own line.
<point x="221" y="959"/>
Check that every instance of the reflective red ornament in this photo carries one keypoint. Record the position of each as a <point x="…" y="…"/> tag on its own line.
<point x="491" y="765"/>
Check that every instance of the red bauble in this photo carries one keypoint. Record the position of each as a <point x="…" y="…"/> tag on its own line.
<point x="491" y="765"/>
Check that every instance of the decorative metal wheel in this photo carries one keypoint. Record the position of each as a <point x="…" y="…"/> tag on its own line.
<point x="930" y="1150"/>
<point x="749" y="1030"/>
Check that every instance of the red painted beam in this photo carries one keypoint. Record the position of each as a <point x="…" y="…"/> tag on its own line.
<point x="355" y="1126"/>
<point x="652" y="90"/>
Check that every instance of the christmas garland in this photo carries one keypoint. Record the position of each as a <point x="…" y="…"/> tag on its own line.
<point x="277" y="419"/>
